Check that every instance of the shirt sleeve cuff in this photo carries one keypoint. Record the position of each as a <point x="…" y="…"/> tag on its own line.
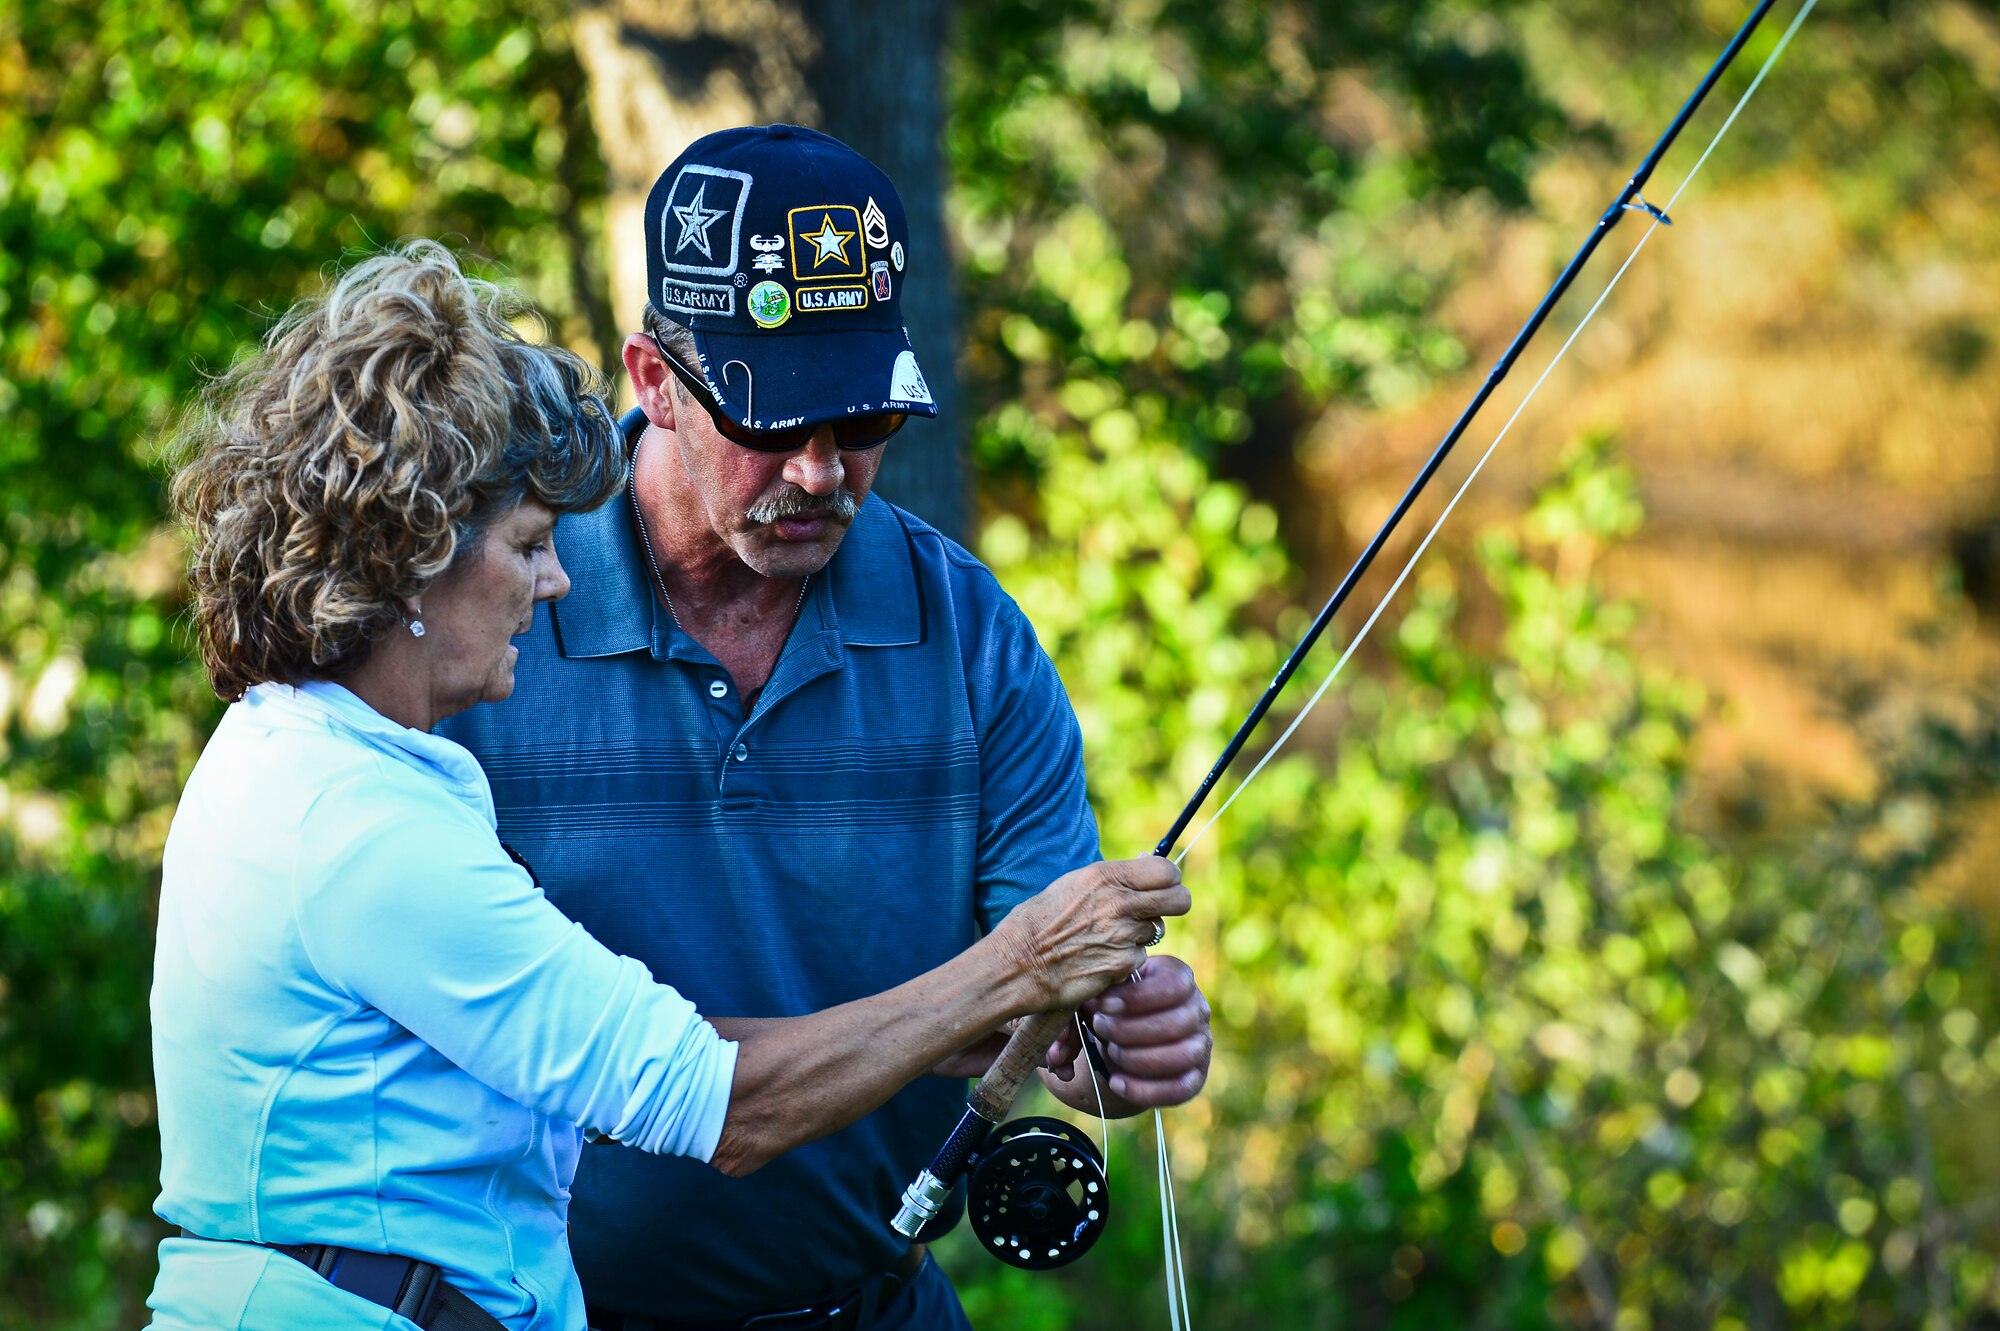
<point x="720" y="1066"/>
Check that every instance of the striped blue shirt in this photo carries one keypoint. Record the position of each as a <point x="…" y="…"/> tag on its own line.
<point x="910" y="772"/>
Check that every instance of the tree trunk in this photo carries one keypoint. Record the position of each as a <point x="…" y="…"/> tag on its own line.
<point x="880" y="84"/>
<point x="664" y="72"/>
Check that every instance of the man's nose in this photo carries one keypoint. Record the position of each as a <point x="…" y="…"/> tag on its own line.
<point x="816" y="468"/>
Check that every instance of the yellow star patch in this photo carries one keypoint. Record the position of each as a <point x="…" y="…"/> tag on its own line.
<point x="831" y="243"/>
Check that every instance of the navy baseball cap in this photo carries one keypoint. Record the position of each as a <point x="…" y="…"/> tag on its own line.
<point x="785" y="251"/>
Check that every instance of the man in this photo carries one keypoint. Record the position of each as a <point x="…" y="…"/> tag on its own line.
<point x="787" y="744"/>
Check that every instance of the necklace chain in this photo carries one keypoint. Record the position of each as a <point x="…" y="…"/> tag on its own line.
<point x="653" y="560"/>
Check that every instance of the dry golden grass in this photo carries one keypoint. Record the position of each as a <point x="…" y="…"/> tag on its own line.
<point x="1811" y="415"/>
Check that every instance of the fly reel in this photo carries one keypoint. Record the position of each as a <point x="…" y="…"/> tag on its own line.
<point x="1038" y="1197"/>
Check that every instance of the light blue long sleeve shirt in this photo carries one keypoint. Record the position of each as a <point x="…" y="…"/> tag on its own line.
<point x="370" y="1028"/>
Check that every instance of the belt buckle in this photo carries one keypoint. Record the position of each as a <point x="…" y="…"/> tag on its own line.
<point x="809" y="1318"/>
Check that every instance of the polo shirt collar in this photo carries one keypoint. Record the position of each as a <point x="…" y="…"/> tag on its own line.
<point x="874" y="581"/>
<point x="611" y="608"/>
<point x="326" y="705"/>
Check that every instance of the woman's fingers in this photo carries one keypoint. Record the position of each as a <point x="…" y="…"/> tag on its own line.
<point x="1162" y="982"/>
<point x="1152" y="884"/>
<point x="1092" y="927"/>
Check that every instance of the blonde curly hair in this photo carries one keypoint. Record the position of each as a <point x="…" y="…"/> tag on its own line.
<point x="369" y="443"/>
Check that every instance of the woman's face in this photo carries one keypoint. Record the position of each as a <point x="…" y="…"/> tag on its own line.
<point x="473" y="612"/>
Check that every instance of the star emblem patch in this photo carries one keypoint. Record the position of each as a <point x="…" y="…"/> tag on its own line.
<point x="827" y="243"/>
<point x="696" y="218"/>
<point x="700" y="222"/>
<point x="831" y="243"/>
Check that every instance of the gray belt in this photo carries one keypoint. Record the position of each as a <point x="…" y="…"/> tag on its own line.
<point x="405" y="1286"/>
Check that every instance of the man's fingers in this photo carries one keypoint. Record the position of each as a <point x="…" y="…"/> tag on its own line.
<point x="1061" y="1056"/>
<point x="1161" y="1027"/>
<point x="1066" y="1047"/>
<point x="1148" y="1093"/>
<point x="1161" y="1060"/>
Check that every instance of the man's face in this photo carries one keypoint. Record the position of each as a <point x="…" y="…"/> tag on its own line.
<point x="783" y="514"/>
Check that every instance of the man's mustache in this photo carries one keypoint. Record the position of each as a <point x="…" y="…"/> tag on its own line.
<point x="795" y="502"/>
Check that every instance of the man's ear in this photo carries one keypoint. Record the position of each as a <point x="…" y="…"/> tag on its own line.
<point x="652" y="381"/>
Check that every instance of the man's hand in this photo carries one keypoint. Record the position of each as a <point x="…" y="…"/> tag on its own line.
<point x="1154" y="1031"/>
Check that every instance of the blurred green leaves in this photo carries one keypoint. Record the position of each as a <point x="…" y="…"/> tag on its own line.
<point x="1502" y="1041"/>
<point x="170" y="178"/>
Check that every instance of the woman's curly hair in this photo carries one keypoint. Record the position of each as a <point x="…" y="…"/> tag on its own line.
<point x="370" y="442"/>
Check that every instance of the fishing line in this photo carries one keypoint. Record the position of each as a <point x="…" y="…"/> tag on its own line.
<point x="1658" y="219"/>
<point x="1103" y="1119"/>
<point x="1030" y="1148"/>
<point x="1170" y="1220"/>
<point x="1177" y="1310"/>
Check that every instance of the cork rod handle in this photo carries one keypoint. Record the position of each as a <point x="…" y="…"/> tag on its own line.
<point x="996" y="1092"/>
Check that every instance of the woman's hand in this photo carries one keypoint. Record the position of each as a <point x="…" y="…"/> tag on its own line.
<point x="801" y="1077"/>
<point x="1090" y="928"/>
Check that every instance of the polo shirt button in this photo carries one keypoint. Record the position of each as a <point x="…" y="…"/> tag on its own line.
<point x="742" y="753"/>
<point x="717" y="689"/>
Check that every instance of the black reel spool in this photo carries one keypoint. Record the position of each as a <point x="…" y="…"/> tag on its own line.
<point x="1038" y="1197"/>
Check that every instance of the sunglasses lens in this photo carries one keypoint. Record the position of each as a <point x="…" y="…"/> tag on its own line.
<point x="854" y="432"/>
<point x="868" y="431"/>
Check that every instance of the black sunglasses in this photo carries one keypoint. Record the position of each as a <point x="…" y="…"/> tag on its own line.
<point x="849" y="432"/>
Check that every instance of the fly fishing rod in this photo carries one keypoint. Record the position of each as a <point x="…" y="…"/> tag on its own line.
<point x="1039" y="1198"/>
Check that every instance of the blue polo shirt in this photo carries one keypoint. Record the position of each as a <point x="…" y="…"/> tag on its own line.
<point x="909" y="773"/>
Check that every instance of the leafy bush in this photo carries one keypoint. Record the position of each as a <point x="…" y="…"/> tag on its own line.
<point x="1501" y="1041"/>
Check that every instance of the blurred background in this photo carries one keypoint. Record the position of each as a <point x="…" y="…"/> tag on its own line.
<point x="1613" y="951"/>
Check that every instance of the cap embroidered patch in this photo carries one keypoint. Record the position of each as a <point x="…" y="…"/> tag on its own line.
<point x="696" y="297"/>
<point x="767" y="248"/>
<point x="813" y="299"/>
<point x="906" y="381"/>
<point x="703" y="220"/>
<point x="874" y="224"/>
<point x="826" y="243"/>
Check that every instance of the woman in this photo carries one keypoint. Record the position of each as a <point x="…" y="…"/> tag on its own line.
<point x="377" y="1044"/>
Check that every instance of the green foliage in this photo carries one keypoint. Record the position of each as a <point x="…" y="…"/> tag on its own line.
<point x="1194" y="197"/>
<point x="170" y="177"/>
<point x="1501" y="1042"/>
